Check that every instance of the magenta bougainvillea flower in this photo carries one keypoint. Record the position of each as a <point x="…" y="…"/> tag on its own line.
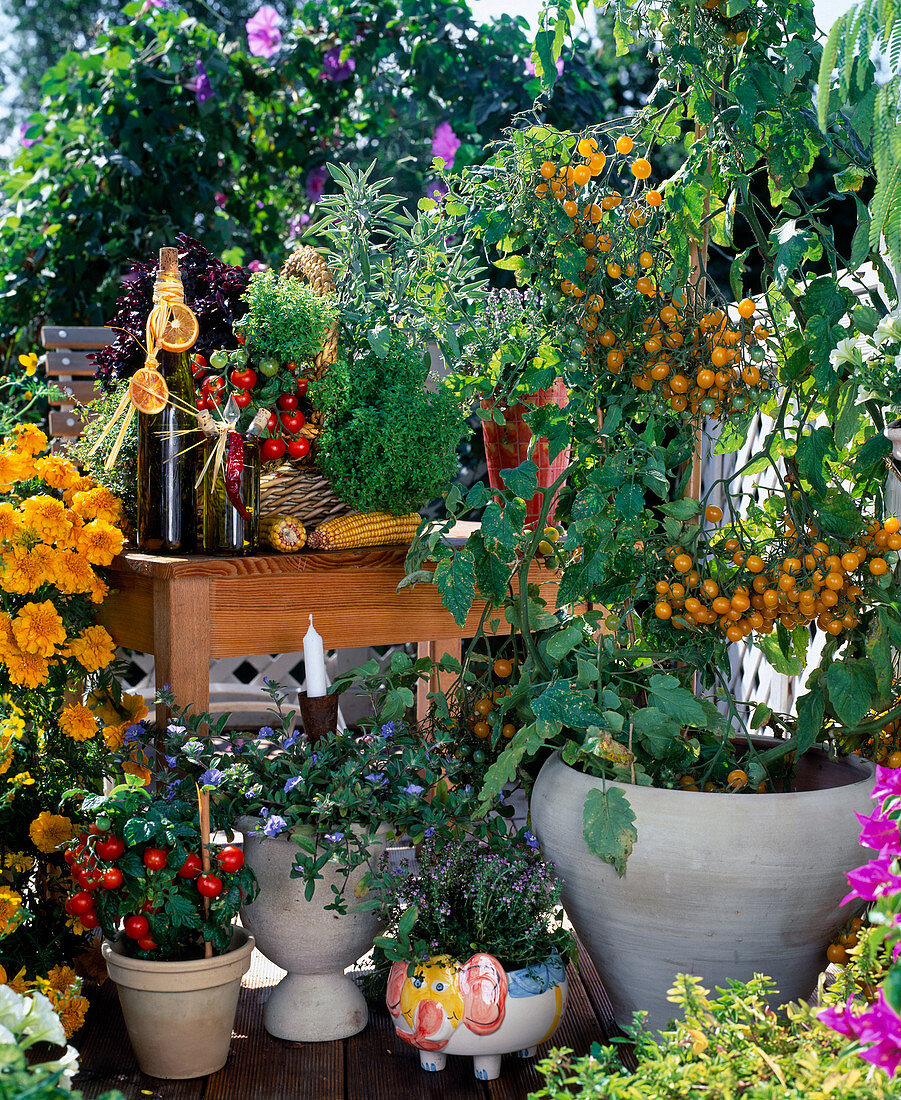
<point x="333" y="68"/>
<point x="263" y="35"/>
<point x="445" y="143"/>
<point x="316" y="181"/>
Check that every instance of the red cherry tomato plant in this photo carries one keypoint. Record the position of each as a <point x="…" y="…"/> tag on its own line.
<point x="138" y="872"/>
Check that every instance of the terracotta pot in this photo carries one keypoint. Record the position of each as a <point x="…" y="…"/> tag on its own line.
<point x="179" y="1015"/>
<point x="719" y="885"/>
<point x="315" y="1002"/>
<point x="507" y="445"/>
<point x="476" y="1007"/>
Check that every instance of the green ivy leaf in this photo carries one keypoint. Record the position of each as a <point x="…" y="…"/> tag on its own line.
<point x="607" y="827"/>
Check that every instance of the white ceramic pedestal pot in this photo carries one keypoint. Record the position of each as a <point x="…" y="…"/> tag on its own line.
<point x="179" y="1015"/>
<point x="475" y="1007"/>
<point x="719" y="885"/>
<point x="315" y="1001"/>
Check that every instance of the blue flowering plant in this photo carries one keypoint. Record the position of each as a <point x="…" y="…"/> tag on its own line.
<point x="496" y="894"/>
<point x="333" y="799"/>
<point x="138" y="870"/>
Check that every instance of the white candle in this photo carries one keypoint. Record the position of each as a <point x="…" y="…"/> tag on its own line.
<point x="314" y="662"/>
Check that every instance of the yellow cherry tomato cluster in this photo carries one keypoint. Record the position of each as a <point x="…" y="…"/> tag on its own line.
<point x="810" y="582"/>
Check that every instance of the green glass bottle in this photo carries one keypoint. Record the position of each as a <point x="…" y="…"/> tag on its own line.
<point x="167" y="452"/>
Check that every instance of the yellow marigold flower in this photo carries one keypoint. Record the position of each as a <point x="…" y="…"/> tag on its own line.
<point x="56" y="471"/>
<point x="19" y="862"/>
<point x="78" y="722"/>
<point x="10" y="521"/>
<point x="48" y="831"/>
<point x="73" y="573"/>
<point x="23" y="779"/>
<point x="38" y="628"/>
<point x="114" y="736"/>
<point x="28" y="669"/>
<point x="13" y="468"/>
<point x="93" y="648"/>
<point x="28" y="438"/>
<point x="10" y="909"/>
<point x="71" y="1013"/>
<point x="99" y="542"/>
<point x="97" y="503"/>
<point x="47" y="517"/>
<point x="29" y="362"/>
<point x="90" y="964"/>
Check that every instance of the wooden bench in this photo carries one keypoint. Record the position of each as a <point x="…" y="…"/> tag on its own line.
<point x="72" y="371"/>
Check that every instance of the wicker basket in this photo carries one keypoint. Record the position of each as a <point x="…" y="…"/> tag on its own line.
<point x="304" y="493"/>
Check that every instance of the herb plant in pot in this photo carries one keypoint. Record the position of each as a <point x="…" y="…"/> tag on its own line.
<point x="171" y="945"/>
<point x="316" y="819"/>
<point x="479" y="951"/>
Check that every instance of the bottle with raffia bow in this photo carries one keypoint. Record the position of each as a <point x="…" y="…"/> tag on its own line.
<point x="167" y="439"/>
<point x="230" y="484"/>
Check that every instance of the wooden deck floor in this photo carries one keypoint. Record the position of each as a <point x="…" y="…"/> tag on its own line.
<point x="373" y="1065"/>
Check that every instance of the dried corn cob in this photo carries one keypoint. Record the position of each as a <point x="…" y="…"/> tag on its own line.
<point x="282" y="532"/>
<point x="364" y="529"/>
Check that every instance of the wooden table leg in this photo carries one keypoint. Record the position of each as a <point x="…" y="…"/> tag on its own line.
<point x="440" y="681"/>
<point x="181" y="641"/>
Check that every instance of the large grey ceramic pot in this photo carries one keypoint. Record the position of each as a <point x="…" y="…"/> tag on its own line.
<point x="719" y="885"/>
<point x="315" y="1001"/>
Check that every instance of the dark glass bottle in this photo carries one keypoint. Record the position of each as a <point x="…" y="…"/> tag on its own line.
<point x="225" y="530"/>
<point x="167" y="460"/>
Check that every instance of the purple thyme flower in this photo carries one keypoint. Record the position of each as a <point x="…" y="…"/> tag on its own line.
<point x="263" y="35"/>
<point x="445" y="143"/>
<point x="291" y="783"/>
<point x="333" y="68"/>
<point x="212" y="777"/>
<point x="274" y="826"/>
<point x="316" y="182"/>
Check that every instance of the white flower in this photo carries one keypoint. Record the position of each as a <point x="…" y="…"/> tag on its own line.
<point x="888" y="331"/>
<point x="846" y="351"/>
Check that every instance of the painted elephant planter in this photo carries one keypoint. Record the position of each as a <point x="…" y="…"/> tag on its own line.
<point x="475" y="1007"/>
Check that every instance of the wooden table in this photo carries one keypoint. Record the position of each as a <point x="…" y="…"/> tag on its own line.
<point x="188" y="610"/>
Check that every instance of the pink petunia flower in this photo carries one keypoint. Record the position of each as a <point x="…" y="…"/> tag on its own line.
<point x="263" y="36"/>
<point x="445" y="143"/>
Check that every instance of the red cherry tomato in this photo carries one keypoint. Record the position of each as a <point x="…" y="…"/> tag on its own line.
<point x="293" y="421"/>
<point x="287" y="401"/>
<point x="243" y="379"/>
<point x="110" y="847"/>
<point x="191" y="867"/>
<point x="242" y="400"/>
<point x="89" y="879"/>
<point x="210" y="886"/>
<point x="136" y="926"/>
<point x="147" y="944"/>
<point x="303" y="385"/>
<point x="231" y="859"/>
<point x="272" y="448"/>
<point x="79" y="903"/>
<point x="297" y="448"/>
<point x="155" y="858"/>
<point x="111" y="879"/>
<point x="89" y="919"/>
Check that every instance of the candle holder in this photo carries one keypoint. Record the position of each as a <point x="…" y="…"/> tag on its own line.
<point x="319" y="715"/>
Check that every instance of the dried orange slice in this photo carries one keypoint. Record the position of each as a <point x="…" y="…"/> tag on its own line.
<point x="148" y="391"/>
<point x="179" y="329"/>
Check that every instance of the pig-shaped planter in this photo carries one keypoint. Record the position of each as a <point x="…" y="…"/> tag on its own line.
<point x="475" y="1007"/>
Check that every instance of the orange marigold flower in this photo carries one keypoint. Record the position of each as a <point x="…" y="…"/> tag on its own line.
<point x="77" y="722"/>
<point x="99" y="542"/>
<point x="28" y="439"/>
<point x="27" y="669"/>
<point x="93" y="648"/>
<point x="48" y="831"/>
<point x="38" y="628"/>
<point x="56" y="471"/>
<point x="47" y="517"/>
